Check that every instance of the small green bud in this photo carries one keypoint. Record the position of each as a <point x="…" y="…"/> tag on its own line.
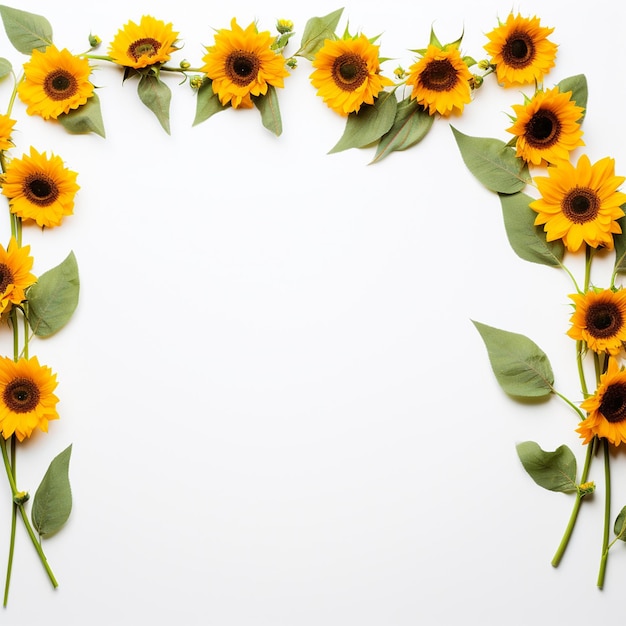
<point x="94" y="40"/>
<point x="292" y="63"/>
<point x="584" y="489"/>
<point x="184" y="64"/>
<point x="483" y="65"/>
<point x="196" y="81"/>
<point x="20" y="497"/>
<point x="399" y="72"/>
<point x="476" y="81"/>
<point x="284" y="26"/>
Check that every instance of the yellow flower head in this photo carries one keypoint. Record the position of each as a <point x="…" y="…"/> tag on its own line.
<point x="140" y="45"/>
<point x="55" y="82"/>
<point x="27" y="400"/>
<point x="441" y="81"/>
<point x="599" y="320"/>
<point x="347" y="74"/>
<point x="40" y="188"/>
<point x="606" y="408"/>
<point x="242" y="64"/>
<point x="521" y="51"/>
<point x="580" y="203"/>
<point x="547" y="127"/>
<point x="6" y="128"/>
<point x="15" y="276"/>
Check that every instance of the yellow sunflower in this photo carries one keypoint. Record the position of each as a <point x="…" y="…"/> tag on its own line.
<point x="6" y="128"/>
<point x="599" y="319"/>
<point x="347" y="74"/>
<point x="547" y="127"/>
<point x="606" y="408"/>
<point x="580" y="203"/>
<point x="55" y="82"/>
<point x="144" y="44"/>
<point x="242" y="64"/>
<point x="521" y="51"/>
<point x="40" y="188"/>
<point x="441" y="81"/>
<point x="15" y="276"/>
<point x="26" y="398"/>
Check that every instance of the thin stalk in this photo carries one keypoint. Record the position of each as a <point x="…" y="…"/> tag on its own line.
<point x="607" y="514"/>
<point x="7" y="582"/>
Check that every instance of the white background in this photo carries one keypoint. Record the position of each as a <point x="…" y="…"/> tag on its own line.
<point x="280" y="411"/>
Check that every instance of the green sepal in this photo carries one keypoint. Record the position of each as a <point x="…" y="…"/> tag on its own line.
<point x="270" y="112"/>
<point x="156" y="95"/>
<point x="527" y="240"/>
<point x="410" y="126"/>
<point x="207" y="103"/>
<point x="52" y="503"/>
<point x="316" y="31"/>
<point x="433" y="40"/>
<point x="620" y="525"/>
<point x="493" y="163"/>
<point x="26" y="31"/>
<point x="469" y="61"/>
<point x="521" y="368"/>
<point x="578" y="86"/>
<point x="619" y="242"/>
<point x="5" y="67"/>
<point x="84" y="119"/>
<point x="555" y="471"/>
<point x="370" y="123"/>
<point x="53" y="298"/>
<point x="281" y="41"/>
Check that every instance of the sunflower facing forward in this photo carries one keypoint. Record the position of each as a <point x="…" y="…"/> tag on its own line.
<point x="242" y="64"/>
<point x="441" y="81"/>
<point x="599" y="320"/>
<point x="141" y="45"/>
<point x="27" y="400"/>
<point x="39" y="188"/>
<point x="15" y="275"/>
<point x="521" y="51"/>
<point x="580" y="203"/>
<point x="347" y="74"/>
<point x="547" y="127"/>
<point x="55" y="82"/>
<point x="606" y="408"/>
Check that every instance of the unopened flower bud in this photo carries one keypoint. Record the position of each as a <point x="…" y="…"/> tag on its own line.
<point x="585" y="489"/>
<point x="20" y="497"/>
<point x="292" y="63"/>
<point x="399" y="72"/>
<point x="284" y="26"/>
<point x="94" y="41"/>
<point x="184" y="64"/>
<point x="196" y="81"/>
<point x="483" y="65"/>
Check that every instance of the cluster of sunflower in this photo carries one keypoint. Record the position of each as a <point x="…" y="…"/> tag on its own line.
<point x="579" y="209"/>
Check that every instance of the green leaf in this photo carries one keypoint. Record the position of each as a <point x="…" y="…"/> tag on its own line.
<point x="493" y="163"/>
<point x="578" y="86"/>
<point x="370" y="123"/>
<point x="555" y="471"/>
<point x="316" y="31"/>
<point x="156" y="95"/>
<point x="5" y="67"/>
<point x="527" y="240"/>
<point x="53" y="298"/>
<point x="620" y="525"/>
<point x="619" y="241"/>
<point x="521" y="368"/>
<point x="26" y="31"/>
<point x="410" y="126"/>
<point x="270" y="113"/>
<point x="85" y="119"/>
<point x="207" y="103"/>
<point x="52" y="503"/>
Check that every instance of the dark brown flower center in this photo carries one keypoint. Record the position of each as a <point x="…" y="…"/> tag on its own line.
<point x="6" y="277"/>
<point x="580" y="205"/>
<point x="21" y="395"/>
<point x="604" y="319"/>
<point x="613" y="404"/>
<point x="143" y="47"/>
<point x="349" y="71"/>
<point x="242" y="67"/>
<point x="518" y="50"/>
<point x="40" y="189"/>
<point x="543" y="129"/>
<point x="439" y="75"/>
<point x="60" y="85"/>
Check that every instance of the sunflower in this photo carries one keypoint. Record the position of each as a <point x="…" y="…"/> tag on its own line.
<point x="144" y="44"/>
<point x="242" y="64"/>
<point x="40" y="188"/>
<point x="547" y="127"/>
<point x="521" y="51"/>
<point x="599" y="320"/>
<point x="15" y="276"/>
<point x="606" y="408"/>
<point x="580" y="203"/>
<point x="6" y="128"/>
<point x="55" y="81"/>
<point x="348" y="74"/>
<point x="441" y="81"/>
<point x="26" y="398"/>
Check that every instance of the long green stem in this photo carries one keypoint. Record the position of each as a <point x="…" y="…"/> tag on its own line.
<point x="607" y="514"/>
<point x="7" y="582"/>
